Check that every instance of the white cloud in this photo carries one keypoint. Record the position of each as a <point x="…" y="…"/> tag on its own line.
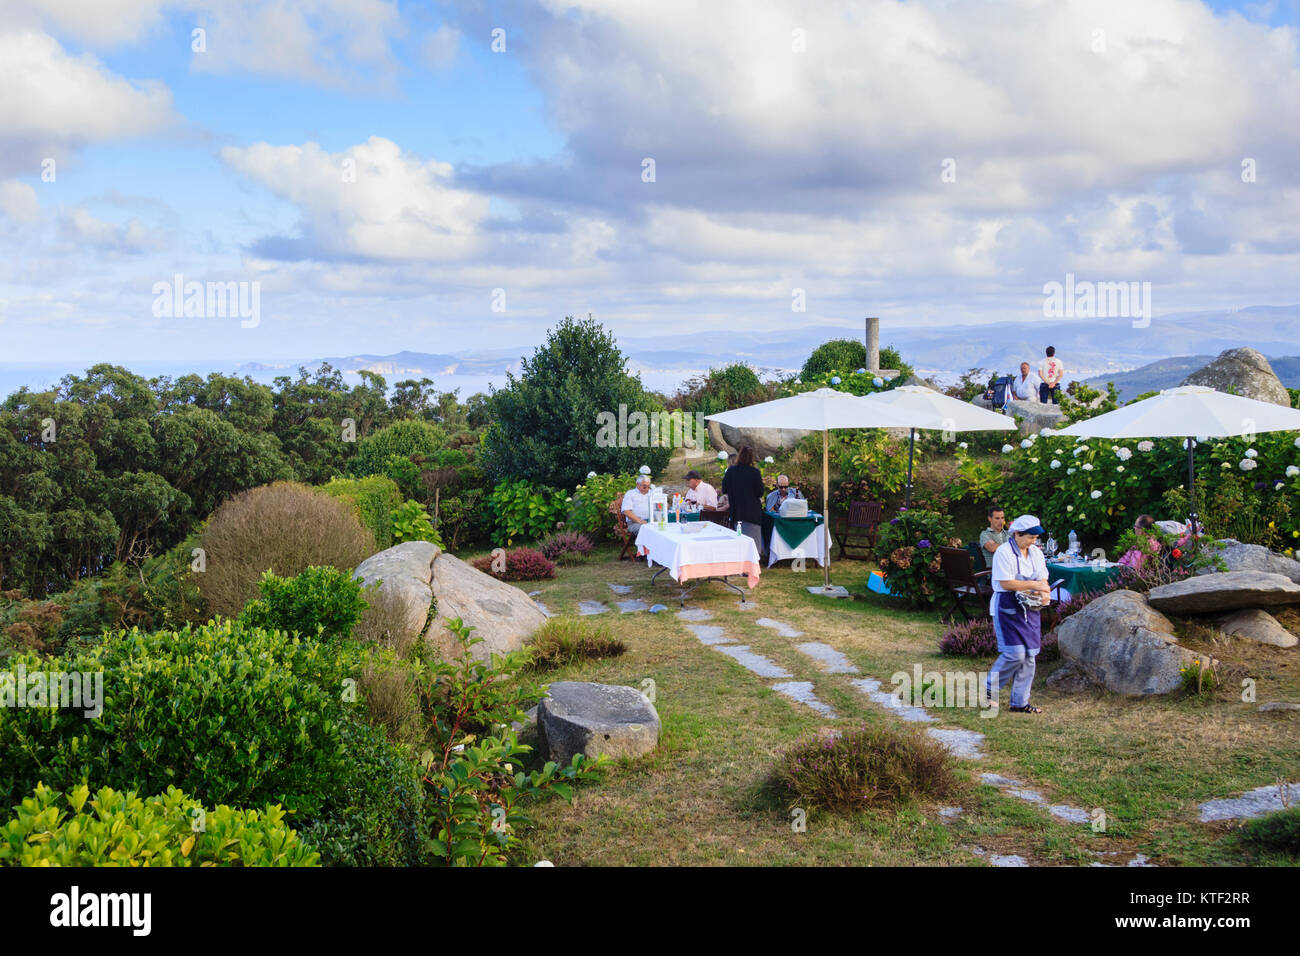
<point x="441" y="46"/>
<point x="84" y="229"/>
<point x="18" y="201"/>
<point x="397" y="207"/>
<point x="110" y="23"/>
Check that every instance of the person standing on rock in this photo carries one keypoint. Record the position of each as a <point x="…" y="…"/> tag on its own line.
<point x="1019" y="589"/>
<point x="1051" y="372"/>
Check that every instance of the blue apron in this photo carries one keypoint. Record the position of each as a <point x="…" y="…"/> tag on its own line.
<point x="1019" y="624"/>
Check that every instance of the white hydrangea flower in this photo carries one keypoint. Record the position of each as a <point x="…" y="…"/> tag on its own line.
<point x="1292" y="471"/>
<point x="1226" y="465"/>
<point x="768" y="460"/>
<point x="1069" y="507"/>
<point x="1296" y="443"/>
<point x="1087" y="466"/>
<point x="1056" y="463"/>
<point x="1005" y="449"/>
<point x="1033" y="461"/>
<point x="645" y="469"/>
<point x="1027" y="443"/>
<point x="1119" y="467"/>
<point x="878" y="382"/>
<point x="1047" y="432"/>
<point x="1095" y="495"/>
<point x="722" y="456"/>
<point x="1251" y="453"/>
<point x="962" y="445"/>
<point x="1248" y="464"/>
<point x="1082" y="516"/>
<point x="590" y="475"/>
<point x="1146" y="445"/>
<point x="1070" y="471"/>
<point x="1124" y="454"/>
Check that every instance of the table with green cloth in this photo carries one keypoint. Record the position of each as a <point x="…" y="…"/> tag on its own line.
<point x="1077" y="578"/>
<point x="686" y="516"/>
<point x="787" y="538"/>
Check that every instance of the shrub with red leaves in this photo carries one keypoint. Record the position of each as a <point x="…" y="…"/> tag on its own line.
<point x="972" y="639"/>
<point x="522" y="564"/>
<point x="565" y="547"/>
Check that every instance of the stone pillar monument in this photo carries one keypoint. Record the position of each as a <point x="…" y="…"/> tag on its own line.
<point x="873" y="351"/>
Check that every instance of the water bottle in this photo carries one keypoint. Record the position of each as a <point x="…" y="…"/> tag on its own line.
<point x="1074" y="543"/>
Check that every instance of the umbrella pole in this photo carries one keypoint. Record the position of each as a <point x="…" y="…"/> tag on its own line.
<point x="1193" y="523"/>
<point x="826" y="509"/>
<point x="907" y="496"/>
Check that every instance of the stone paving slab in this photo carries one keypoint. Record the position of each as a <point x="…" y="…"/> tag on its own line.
<point x="828" y="658"/>
<point x="785" y="630"/>
<point x="871" y="687"/>
<point x="630" y="607"/>
<point x="1252" y="803"/>
<point x="755" y="663"/>
<point x="591" y="607"/>
<point x="694" y="614"/>
<point x="963" y="743"/>
<point x="802" y="691"/>
<point x="709" y="634"/>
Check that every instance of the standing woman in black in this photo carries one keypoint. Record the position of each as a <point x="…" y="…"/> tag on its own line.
<point x="743" y="486"/>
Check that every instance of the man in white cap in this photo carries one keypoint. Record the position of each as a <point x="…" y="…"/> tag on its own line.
<point x="636" y="503"/>
<point x="1019" y="588"/>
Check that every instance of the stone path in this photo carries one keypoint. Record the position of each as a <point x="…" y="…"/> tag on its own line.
<point x="802" y="691"/>
<point x="591" y="607"/>
<point x="785" y="630"/>
<point x="828" y="658"/>
<point x="635" y="604"/>
<point x="1252" y="803"/>
<point x="755" y="663"/>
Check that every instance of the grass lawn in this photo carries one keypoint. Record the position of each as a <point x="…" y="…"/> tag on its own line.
<point x="703" y="797"/>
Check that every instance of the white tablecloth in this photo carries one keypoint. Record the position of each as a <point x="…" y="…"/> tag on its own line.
<point x="813" y="547"/>
<point x="714" y="551"/>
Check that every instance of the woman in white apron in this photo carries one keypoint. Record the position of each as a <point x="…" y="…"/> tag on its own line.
<point x="1019" y="589"/>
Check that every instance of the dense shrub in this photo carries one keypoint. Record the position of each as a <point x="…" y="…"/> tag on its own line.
<point x="1278" y="832"/>
<point x="546" y="423"/>
<point x="909" y="548"/>
<point x="375" y="813"/>
<point x="228" y="714"/>
<point x="123" y="829"/>
<point x="521" y="564"/>
<point x="567" y="640"/>
<point x="565" y="547"/>
<point x="589" y="510"/>
<point x="323" y="603"/>
<point x="403" y="440"/>
<point x="374" y="498"/>
<point x="411" y="523"/>
<point x="475" y="785"/>
<point x="518" y="509"/>
<point x="463" y="519"/>
<point x="872" y="457"/>
<point x="846" y="356"/>
<point x="970" y="639"/>
<point x="867" y="767"/>
<point x="285" y="528"/>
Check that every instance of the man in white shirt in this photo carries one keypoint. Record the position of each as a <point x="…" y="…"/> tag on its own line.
<point x="636" y="503"/>
<point x="702" y="493"/>
<point x="1051" y="372"/>
<point x="1025" y="387"/>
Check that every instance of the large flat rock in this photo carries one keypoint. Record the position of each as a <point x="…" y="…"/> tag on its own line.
<point x="1238" y="556"/>
<point x="1225" y="591"/>
<point x="1034" y="416"/>
<point x="1122" y="643"/>
<point x="405" y="570"/>
<point x="578" y="717"/>
<point x="1254" y="624"/>
<point x="1245" y="372"/>
<point x="502" y="614"/>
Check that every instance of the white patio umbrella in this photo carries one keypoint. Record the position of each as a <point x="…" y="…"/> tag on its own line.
<point x="1184" y="412"/>
<point x="816" y="411"/>
<point x="927" y="409"/>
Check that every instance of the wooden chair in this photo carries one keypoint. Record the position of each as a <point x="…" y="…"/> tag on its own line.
<point x="621" y="530"/>
<point x="863" y="519"/>
<point x="979" y="556"/>
<point x="719" y="515"/>
<point x="965" y="583"/>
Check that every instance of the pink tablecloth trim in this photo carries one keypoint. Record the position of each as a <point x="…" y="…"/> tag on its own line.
<point x="720" y="569"/>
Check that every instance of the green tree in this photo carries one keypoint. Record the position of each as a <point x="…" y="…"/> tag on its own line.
<point x="545" y="424"/>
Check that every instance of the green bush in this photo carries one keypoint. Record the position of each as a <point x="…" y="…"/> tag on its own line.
<point x="463" y="519"/>
<point x="589" y="510"/>
<point x="861" y="769"/>
<point x="122" y="829"/>
<point x="846" y="356"/>
<point x="411" y="522"/>
<point x="567" y="640"/>
<point x="404" y="439"/>
<point x="909" y="546"/>
<point x="322" y="603"/>
<point x="474" y="781"/>
<point x="872" y="456"/>
<point x="519" y="509"/>
<point x="229" y="714"/>
<point x="1279" y="832"/>
<point x="374" y="499"/>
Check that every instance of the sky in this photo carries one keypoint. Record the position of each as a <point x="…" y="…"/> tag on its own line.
<point x="448" y="176"/>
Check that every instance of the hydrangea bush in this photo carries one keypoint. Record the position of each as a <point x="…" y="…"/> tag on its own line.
<point x="909" y="555"/>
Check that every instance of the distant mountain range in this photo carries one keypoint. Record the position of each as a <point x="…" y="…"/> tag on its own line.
<point x="1136" y="359"/>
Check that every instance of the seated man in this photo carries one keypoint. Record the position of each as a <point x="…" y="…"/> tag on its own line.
<point x="783" y="491"/>
<point x="994" y="536"/>
<point x="636" y="503"/>
<point x="702" y="493"/>
<point x="1025" y="387"/>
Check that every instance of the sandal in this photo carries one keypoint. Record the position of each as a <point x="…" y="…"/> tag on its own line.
<point x="1026" y="709"/>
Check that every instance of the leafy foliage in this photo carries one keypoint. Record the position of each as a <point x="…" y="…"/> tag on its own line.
<point x="475" y="786"/>
<point x="545" y="423"/>
<point x="519" y="509"/>
<point x="846" y="356"/>
<point x="411" y="522"/>
<point x="567" y="640"/>
<point x="909" y="545"/>
<point x="589" y="510"/>
<point x="324" y="603"/>
<point x="123" y="829"/>
<point x="375" y="498"/>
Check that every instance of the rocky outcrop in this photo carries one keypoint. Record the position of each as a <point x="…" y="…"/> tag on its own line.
<point x="592" y="719"/>
<point x="1244" y="372"/>
<point x="501" y="614"/>
<point x="405" y="571"/>
<point x="1257" y="625"/>
<point x="1123" y="644"/>
<point x="1253" y="557"/>
<point x="1225" y="591"/>
<point x="1035" y="416"/>
<point x="424" y="579"/>
<point x="766" y="441"/>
